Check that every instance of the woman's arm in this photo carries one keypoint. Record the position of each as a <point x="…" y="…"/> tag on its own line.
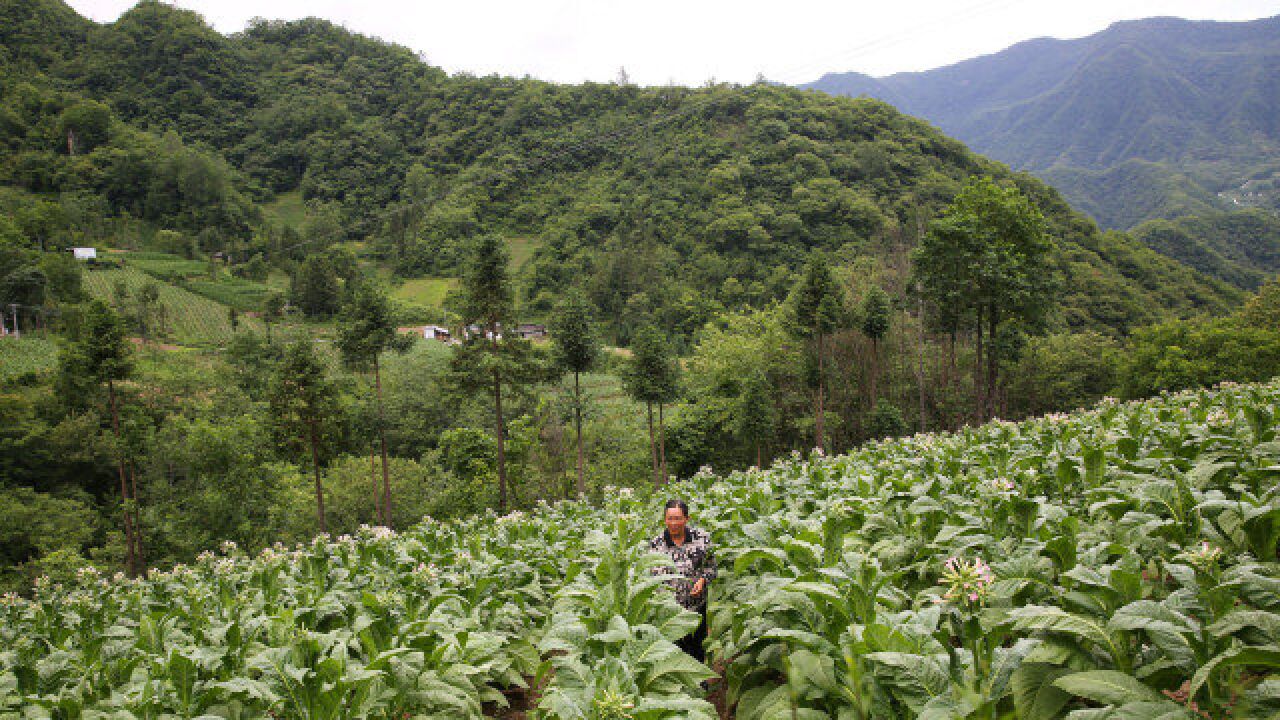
<point x="707" y="569"/>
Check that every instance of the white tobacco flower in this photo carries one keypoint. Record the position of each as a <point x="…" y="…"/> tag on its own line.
<point x="966" y="581"/>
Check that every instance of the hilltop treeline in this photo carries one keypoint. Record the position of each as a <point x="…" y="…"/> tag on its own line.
<point x="650" y="199"/>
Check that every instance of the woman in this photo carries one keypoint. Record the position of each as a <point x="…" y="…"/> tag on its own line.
<point x="690" y="551"/>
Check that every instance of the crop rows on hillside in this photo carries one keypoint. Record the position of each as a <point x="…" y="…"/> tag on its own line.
<point x="191" y="318"/>
<point x="23" y="356"/>
<point x="1118" y="563"/>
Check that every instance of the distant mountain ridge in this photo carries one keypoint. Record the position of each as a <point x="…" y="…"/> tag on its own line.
<point x="1200" y="100"/>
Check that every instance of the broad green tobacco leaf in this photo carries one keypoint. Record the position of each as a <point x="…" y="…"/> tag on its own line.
<point x="1107" y="687"/>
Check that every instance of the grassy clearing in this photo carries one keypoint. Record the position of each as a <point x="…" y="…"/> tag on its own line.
<point x="521" y="249"/>
<point x="287" y="209"/>
<point x="192" y="319"/>
<point x="165" y="265"/>
<point x="427" y="292"/>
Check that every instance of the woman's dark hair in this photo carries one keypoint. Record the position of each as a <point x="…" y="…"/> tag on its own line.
<point x="676" y="503"/>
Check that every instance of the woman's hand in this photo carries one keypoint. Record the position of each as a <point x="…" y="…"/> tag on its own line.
<point x="698" y="587"/>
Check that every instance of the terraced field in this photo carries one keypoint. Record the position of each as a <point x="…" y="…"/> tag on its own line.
<point x="192" y="319"/>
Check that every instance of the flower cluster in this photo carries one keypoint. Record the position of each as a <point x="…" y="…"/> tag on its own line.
<point x="966" y="581"/>
<point x="1002" y="485"/>
<point x="1204" y="558"/>
<point x="1218" y="417"/>
<point x="610" y="704"/>
<point x="10" y="600"/>
<point x="376" y="532"/>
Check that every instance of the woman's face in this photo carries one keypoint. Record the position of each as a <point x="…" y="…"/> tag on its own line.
<point x="675" y="520"/>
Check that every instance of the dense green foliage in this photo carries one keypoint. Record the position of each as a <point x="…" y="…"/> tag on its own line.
<point x="1120" y="562"/>
<point x="1161" y="117"/>
<point x="1242" y="248"/>
<point x="1134" y="191"/>
<point x="984" y="264"/>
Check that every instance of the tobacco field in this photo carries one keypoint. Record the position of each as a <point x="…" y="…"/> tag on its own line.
<point x="1116" y="563"/>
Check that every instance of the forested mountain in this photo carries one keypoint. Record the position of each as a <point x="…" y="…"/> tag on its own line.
<point x="1185" y="111"/>
<point x="1242" y="248"/>
<point x="664" y="202"/>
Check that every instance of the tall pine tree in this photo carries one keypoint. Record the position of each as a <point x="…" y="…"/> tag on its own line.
<point x="366" y="330"/>
<point x="818" y="308"/>
<point x="493" y="357"/>
<point x="303" y="401"/>
<point x="755" y="413"/>
<point x="875" y="324"/>
<point x="652" y="377"/>
<point x="100" y="357"/>
<point x="576" y="351"/>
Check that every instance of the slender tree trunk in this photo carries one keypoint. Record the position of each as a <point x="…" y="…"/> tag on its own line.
<point x="993" y="360"/>
<point x="373" y="475"/>
<point x="759" y="464"/>
<point x="577" y="421"/>
<point x="382" y="441"/>
<point x="979" y="384"/>
<point x="139" y="552"/>
<point x="924" y="420"/>
<point x="131" y="566"/>
<point x="662" y="445"/>
<point x="502" y="443"/>
<point x="819" y="420"/>
<point x="875" y="372"/>
<point x="315" y="465"/>
<point x="653" y="445"/>
<point x="951" y="358"/>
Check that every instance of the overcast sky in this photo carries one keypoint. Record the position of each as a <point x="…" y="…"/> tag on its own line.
<point x="691" y="41"/>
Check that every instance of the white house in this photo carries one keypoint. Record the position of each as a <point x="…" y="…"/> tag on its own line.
<point x="85" y="253"/>
<point x="427" y="332"/>
<point x="435" y="332"/>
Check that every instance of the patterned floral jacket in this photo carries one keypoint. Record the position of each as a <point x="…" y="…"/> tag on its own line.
<point x="692" y="560"/>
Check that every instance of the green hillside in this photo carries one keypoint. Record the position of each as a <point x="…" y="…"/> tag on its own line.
<point x="1119" y="562"/>
<point x="649" y="199"/>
